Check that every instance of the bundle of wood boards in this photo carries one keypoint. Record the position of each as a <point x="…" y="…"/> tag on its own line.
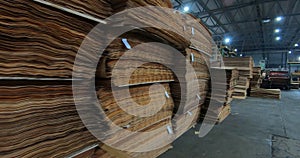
<point x="216" y="115"/>
<point x="266" y="93"/>
<point x="39" y="41"/>
<point x="96" y="152"/>
<point x="245" y="67"/>
<point x="142" y="96"/>
<point x="104" y="151"/>
<point x="256" y="81"/>
<point x="183" y="122"/>
<point x="294" y="85"/>
<point x="171" y="22"/>
<point x="197" y="74"/>
<point x="122" y="154"/>
<point x="40" y="121"/>
<point x="199" y="35"/>
<point x="141" y="64"/>
<point x="96" y="8"/>
<point x="240" y="63"/>
<point x="296" y="73"/>
<point x="241" y="89"/>
<point x="222" y="97"/>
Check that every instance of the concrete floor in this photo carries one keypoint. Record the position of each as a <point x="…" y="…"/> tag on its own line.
<point x="247" y="132"/>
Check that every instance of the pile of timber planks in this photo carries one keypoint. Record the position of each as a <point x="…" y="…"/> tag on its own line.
<point x="32" y="47"/>
<point x="187" y="115"/>
<point x="96" y="152"/>
<point x="119" y="154"/>
<point x="146" y="72"/>
<point x="245" y="67"/>
<point x="256" y="81"/>
<point x="100" y="9"/>
<point x="294" y="85"/>
<point x="40" y="41"/>
<point x="40" y="121"/>
<point x="266" y="93"/>
<point x="217" y="107"/>
<point x="241" y="88"/>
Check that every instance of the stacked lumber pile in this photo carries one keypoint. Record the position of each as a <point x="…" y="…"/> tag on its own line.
<point x="39" y="43"/>
<point x="294" y="85"/>
<point x="168" y="24"/>
<point x="256" y="81"/>
<point x="245" y="67"/>
<point x="141" y="95"/>
<point x="186" y="116"/>
<point x="295" y="80"/>
<point x="32" y="47"/>
<point x="146" y="72"/>
<point x="199" y="35"/>
<point x="217" y="107"/>
<point x="40" y="40"/>
<point x="119" y="154"/>
<point x="266" y="93"/>
<point x="100" y="9"/>
<point x="96" y="152"/>
<point x="102" y="152"/>
<point x="40" y="121"/>
<point x="241" y="88"/>
<point x="145" y="65"/>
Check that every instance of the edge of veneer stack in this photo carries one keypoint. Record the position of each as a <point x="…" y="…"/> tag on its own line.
<point x="266" y="93"/>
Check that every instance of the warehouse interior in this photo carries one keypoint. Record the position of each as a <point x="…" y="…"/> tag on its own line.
<point x="150" y="79"/>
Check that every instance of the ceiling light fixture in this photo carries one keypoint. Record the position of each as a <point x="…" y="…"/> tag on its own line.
<point x="235" y="50"/>
<point x="299" y="58"/>
<point x="241" y="55"/>
<point x="279" y="18"/>
<point x="278" y="38"/>
<point x="227" y="40"/>
<point x="186" y="9"/>
<point x="266" y="20"/>
<point x="290" y="52"/>
<point x="296" y="45"/>
<point x="277" y="30"/>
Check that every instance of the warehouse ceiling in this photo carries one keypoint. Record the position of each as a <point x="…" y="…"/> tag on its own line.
<point x="249" y="24"/>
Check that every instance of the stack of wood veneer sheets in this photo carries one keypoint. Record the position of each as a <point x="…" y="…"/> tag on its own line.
<point x="245" y="67"/>
<point x="256" y="80"/>
<point x="217" y="107"/>
<point x="39" y="43"/>
<point x="256" y="91"/>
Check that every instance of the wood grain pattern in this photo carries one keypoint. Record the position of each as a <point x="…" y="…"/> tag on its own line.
<point x="39" y="121"/>
<point x="97" y="8"/>
<point x="37" y="41"/>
